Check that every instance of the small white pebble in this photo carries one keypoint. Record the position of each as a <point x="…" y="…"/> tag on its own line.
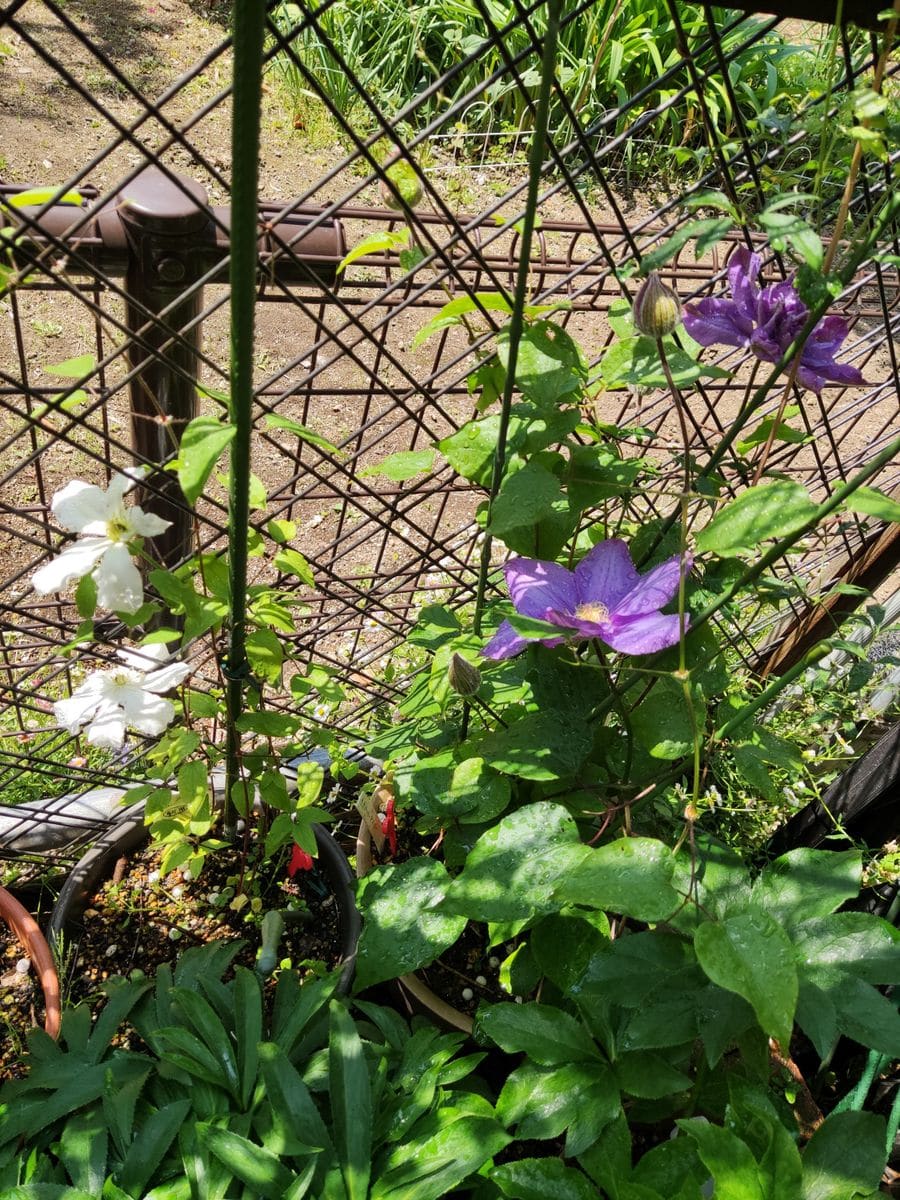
<point x="240" y="826"/>
<point x="153" y="876"/>
<point x="177" y="893"/>
<point x="186" y="875"/>
<point x="518" y="999"/>
<point x="481" y="980"/>
<point x="468" y="994"/>
<point x="494" y="961"/>
<point x="23" y="966"/>
<point x="111" y="950"/>
<point x="212" y="898"/>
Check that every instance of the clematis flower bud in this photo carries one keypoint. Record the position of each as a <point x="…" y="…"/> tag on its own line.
<point x="462" y="676"/>
<point x="657" y="309"/>
<point x="402" y="179"/>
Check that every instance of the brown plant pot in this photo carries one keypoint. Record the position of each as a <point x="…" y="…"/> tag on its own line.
<point x="28" y="933"/>
<point x="415" y="995"/>
<point x="130" y="832"/>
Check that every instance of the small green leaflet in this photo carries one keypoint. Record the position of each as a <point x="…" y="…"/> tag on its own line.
<point x="769" y="510"/>
<point x="73" y="368"/>
<point x="32" y="197"/>
<point x="873" y="503"/>
<point x="451" y="313"/>
<point x="202" y="443"/>
<point x="303" y="432"/>
<point x="403" y="465"/>
<point x="376" y="243"/>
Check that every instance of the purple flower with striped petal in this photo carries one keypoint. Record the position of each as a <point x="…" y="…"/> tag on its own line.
<point x="604" y="597"/>
<point x="766" y="321"/>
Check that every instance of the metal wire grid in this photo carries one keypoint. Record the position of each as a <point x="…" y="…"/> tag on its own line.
<point x="378" y="550"/>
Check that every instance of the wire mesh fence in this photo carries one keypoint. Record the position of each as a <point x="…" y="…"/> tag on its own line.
<point x="115" y="325"/>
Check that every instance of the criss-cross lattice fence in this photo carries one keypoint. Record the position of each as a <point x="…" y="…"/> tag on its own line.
<point x="115" y="331"/>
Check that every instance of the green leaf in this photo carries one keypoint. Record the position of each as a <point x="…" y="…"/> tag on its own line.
<point x="403" y="465"/>
<point x="470" y="451"/>
<point x="663" y="720"/>
<point x="351" y="1101"/>
<point x="453" y="312"/>
<point x="707" y="231"/>
<point x="525" y="498"/>
<point x="769" y="510"/>
<point x="265" y="655"/>
<point x="435" y="625"/>
<point x="542" y="1102"/>
<point x="296" y="1125"/>
<point x="858" y="943"/>
<point x="446" y="1150"/>
<point x="635" y="362"/>
<point x="150" y="1146"/>
<point x="542" y="1179"/>
<point x="281" y="531"/>
<point x="548" y="1035"/>
<point x="804" y="884"/>
<point x="783" y="433"/>
<point x="303" y="432"/>
<point x="73" y="368"/>
<point x="247" y="1029"/>
<point x="202" y="444"/>
<point x="751" y="954"/>
<point x="375" y="243"/>
<point x="648" y="1075"/>
<point x="32" y="197"/>
<point x="444" y="788"/>
<point x="82" y="1149"/>
<point x="86" y="597"/>
<point x="513" y="869"/>
<point x="549" y="364"/>
<point x="631" y="876"/>
<point x="728" y="1160"/>
<point x="269" y="724"/>
<point x="292" y="562"/>
<point x="845" y="1157"/>
<point x="873" y="503"/>
<point x="258" y="1168"/>
<point x="402" y="930"/>
<point x="538" y="747"/>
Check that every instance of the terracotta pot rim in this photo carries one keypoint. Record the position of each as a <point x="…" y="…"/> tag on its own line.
<point x="27" y="931"/>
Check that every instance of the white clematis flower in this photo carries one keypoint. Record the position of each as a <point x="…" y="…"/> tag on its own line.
<point x="108" y="702"/>
<point x="106" y="527"/>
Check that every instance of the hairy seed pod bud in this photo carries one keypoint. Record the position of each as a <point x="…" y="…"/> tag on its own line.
<point x="402" y="187"/>
<point x="657" y="309"/>
<point x="463" y="677"/>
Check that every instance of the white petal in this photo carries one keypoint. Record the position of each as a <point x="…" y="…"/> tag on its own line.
<point x="147" y="713"/>
<point x="74" y="712"/>
<point x="144" y="658"/>
<point x="80" y="504"/>
<point x="76" y="560"/>
<point x="107" y="728"/>
<point x="121" y="482"/>
<point x="146" y="524"/>
<point x="166" y="678"/>
<point x="119" y="584"/>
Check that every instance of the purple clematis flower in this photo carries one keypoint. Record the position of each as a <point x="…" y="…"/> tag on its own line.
<point x="604" y="597"/>
<point x="766" y="321"/>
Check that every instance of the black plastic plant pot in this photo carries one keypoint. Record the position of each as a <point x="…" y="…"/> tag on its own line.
<point x="130" y="833"/>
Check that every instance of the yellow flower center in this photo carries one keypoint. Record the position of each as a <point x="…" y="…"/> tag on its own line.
<point x="118" y="530"/>
<point x="592" y="611"/>
<point x="122" y="678"/>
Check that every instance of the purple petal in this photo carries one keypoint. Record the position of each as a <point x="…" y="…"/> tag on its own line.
<point x="816" y="377"/>
<point x="536" y="586"/>
<point x="505" y="643"/>
<point x="643" y="634"/>
<point x="826" y="339"/>
<point x="743" y="272"/>
<point x="604" y="576"/>
<point x="653" y="591"/>
<point x="716" y="322"/>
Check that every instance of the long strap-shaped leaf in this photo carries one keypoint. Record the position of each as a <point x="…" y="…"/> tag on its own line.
<point x="351" y="1102"/>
